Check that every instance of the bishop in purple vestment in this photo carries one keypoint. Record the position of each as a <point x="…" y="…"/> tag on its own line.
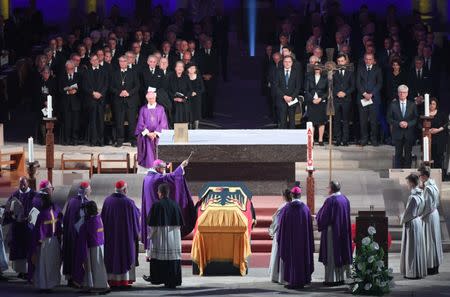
<point x="333" y="221"/>
<point x="151" y="121"/>
<point x="17" y="215"/>
<point x="296" y="242"/>
<point x="73" y="218"/>
<point x="46" y="246"/>
<point x="179" y="193"/>
<point x="121" y="224"/>
<point x="45" y="188"/>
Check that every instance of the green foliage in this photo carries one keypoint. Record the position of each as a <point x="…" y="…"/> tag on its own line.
<point x="369" y="274"/>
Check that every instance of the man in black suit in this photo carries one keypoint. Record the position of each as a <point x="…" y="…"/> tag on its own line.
<point x="432" y="65"/>
<point x="140" y="57"/>
<point x="209" y="68"/>
<point x="288" y="84"/>
<point x="69" y="85"/>
<point x="221" y="27"/>
<point x="419" y="82"/>
<point x="115" y="52"/>
<point x="339" y="43"/>
<point x="369" y="81"/>
<point x="167" y="52"/>
<point x="402" y="116"/>
<point x="385" y="53"/>
<point x="283" y="40"/>
<point x="95" y="85"/>
<point x="152" y="78"/>
<point x="101" y="62"/>
<point x="124" y="89"/>
<point x="343" y="87"/>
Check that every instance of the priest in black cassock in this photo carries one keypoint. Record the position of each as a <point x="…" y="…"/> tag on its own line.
<point x="165" y="220"/>
<point x="124" y="89"/>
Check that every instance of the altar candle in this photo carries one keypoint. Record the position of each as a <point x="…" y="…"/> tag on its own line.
<point x="30" y="150"/>
<point x="426" y="149"/>
<point x="49" y="106"/>
<point x="427" y="105"/>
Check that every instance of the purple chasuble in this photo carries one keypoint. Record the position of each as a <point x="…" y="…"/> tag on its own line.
<point x="154" y="120"/>
<point x="20" y="231"/>
<point x="48" y="224"/>
<point x="296" y="243"/>
<point x="120" y="218"/>
<point x="71" y="217"/>
<point x="91" y="235"/>
<point x="179" y="192"/>
<point x="336" y="212"/>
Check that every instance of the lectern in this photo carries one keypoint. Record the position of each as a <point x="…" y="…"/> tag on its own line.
<point x="379" y="221"/>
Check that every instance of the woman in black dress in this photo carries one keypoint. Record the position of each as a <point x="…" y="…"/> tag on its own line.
<point x="438" y="134"/>
<point x="197" y="89"/>
<point x="316" y="96"/>
<point x="397" y="76"/>
<point x="179" y="92"/>
<point x="44" y="86"/>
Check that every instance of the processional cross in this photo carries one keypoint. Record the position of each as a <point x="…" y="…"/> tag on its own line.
<point x="330" y="68"/>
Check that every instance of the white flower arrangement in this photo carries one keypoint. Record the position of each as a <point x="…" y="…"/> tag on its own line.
<point x="366" y="241"/>
<point x="370" y="275"/>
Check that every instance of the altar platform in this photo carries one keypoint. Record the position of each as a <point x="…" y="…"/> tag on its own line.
<point x="263" y="159"/>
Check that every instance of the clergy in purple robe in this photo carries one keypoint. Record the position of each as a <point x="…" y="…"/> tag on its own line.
<point x="89" y="270"/>
<point x="296" y="242"/>
<point x="16" y="214"/>
<point x="46" y="246"/>
<point x="333" y="221"/>
<point x="45" y="188"/>
<point x="179" y="193"/>
<point x="120" y="218"/>
<point x="151" y="121"/>
<point x="73" y="219"/>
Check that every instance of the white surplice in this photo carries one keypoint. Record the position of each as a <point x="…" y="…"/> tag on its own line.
<point x="334" y="274"/>
<point x="48" y="264"/>
<point x="3" y="259"/>
<point x="431" y="225"/>
<point x="95" y="276"/>
<point x="413" y="263"/>
<point x="276" y="264"/>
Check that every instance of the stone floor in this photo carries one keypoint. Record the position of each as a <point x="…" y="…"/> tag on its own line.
<point x="256" y="283"/>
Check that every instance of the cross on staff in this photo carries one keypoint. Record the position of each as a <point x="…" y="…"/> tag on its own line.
<point x="330" y="68"/>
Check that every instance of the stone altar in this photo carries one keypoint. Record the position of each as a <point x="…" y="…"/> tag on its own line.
<point x="263" y="159"/>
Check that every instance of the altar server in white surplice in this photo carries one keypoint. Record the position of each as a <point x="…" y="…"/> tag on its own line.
<point x="431" y="222"/>
<point x="275" y="266"/>
<point x="413" y="263"/>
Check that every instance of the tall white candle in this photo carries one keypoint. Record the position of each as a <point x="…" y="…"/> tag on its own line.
<point x="427" y="105"/>
<point x="49" y="106"/>
<point x="30" y="149"/>
<point x="426" y="149"/>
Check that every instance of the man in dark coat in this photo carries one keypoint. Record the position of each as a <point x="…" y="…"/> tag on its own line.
<point x="369" y="81"/>
<point x="402" y="116"/>
<point x="95" y="85"/>
<point x="70" y="89"/>
<point x="125" y="92"/>
<point x="288" y="84"/>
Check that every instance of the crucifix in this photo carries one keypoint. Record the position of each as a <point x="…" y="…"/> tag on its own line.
<point x="330" y="68"/>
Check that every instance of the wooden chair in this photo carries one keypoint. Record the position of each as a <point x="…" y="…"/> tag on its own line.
<point x="77" y="158"/>
<point x="113" y="158"/>
<point x="13" y="156"/>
